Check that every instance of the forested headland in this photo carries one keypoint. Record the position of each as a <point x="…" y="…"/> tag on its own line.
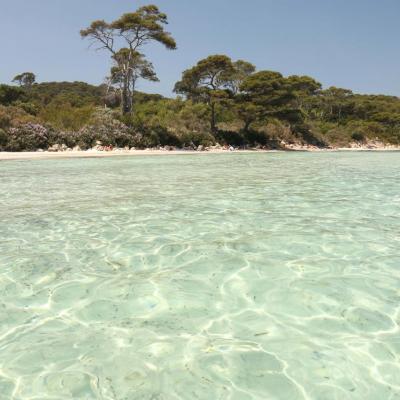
<point x="218" y="101"/>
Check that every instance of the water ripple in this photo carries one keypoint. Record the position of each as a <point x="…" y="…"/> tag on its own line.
<point x="261" y="276"/>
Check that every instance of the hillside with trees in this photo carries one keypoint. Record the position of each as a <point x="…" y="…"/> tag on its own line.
<point x="219" y="100"/>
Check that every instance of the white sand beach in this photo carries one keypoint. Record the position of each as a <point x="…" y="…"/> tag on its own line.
<point x="37" y="155"/>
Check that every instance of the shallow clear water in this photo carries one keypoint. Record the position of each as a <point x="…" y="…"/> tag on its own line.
<point x="237" y="276"/>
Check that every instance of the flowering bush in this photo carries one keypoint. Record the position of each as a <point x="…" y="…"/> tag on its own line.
<point x="27" y="137"/>
<point x="32" y="136"/>
<point x="106" y="129"/>
<point x="70" y="139"/>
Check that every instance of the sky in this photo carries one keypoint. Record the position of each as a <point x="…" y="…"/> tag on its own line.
<point x="353" y="44"/>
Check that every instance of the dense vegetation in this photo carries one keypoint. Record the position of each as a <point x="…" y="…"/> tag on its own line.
<point x="219" y="101"/>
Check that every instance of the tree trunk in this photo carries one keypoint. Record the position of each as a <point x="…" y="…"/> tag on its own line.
<point x="213" y="122"/>
<point x="126" y="102"/>
<point x="132" y="96"/>
<point x="126" y="97"/>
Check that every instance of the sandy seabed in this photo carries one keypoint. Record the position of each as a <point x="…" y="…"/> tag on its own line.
<point x="233" y="276"/>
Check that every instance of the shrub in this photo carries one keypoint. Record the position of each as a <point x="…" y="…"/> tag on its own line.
<point x="158" y="135"/>
<point x="310" y="136"/>
<point x="276" y="130"/>
<point x="196" y="139"/>
<point x="170" y="121"/>
<point x="107" y="129"/>
<point x="70" y="139"/>
<point x="253" y="137"/>
<point x="14" y="116"/>
<point x="338" y="136"/>
<point x="358" y="137"/>
<point x="9" y="94"/>
<point x="230" y="137"/>
<point x="27" y="137"/>
<point x="5" y="118"/>
<point x="3" y="139"/>
<point x="28" y="108"/>
<point x="66" y="117"/>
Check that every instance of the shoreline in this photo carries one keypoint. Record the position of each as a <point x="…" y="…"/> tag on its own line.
<point x="47" y="155"/>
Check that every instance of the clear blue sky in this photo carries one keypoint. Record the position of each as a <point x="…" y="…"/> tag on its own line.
<point x="347" y="43"/>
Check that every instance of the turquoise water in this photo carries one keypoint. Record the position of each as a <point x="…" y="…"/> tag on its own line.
<point x="235" y="276"/>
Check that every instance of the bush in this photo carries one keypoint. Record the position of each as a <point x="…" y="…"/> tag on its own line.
<point x="310" y="136"/>
<point x="70" y="139"/>
<point x="253" y="137"/>
<point x="66" y="117"/>
<point x="196" y="139"/>
<point x="170" y="121"/>
<point x="15" y="116"/>
<point x="9" y="94"/>
<point x="29" y="108"/>
<point x="3" y="139"/>
<point x="5" y="118"/>
<point x="27" y="137"/>
<point x="230" y="137"/>
<point x="358" y="137"/>
<point x="338" y="137"/>
<point x="276" y="131"/>
<point x="106" y="129"/>
<point x="157" y="136"/>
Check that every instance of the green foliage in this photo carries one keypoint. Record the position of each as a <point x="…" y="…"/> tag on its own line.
<point x="358" y="137"/>
<point x="144" y="25"/>
<point x="13" y="116"/>
<point x="5" y="118"/>
<point x="28" y="107"/>
<point x="10" y="94"/>
<point x="225" y="102"/>
<point x="343" y="117"/>
<point x="268" y="90"/>
<point x="126" y="59"/>
<point x="213" y="73"/>
<point x="171" y="122"/>
<point x="241" y="70"/>
<point x="67" y="117"/>
<point x="26" y="79"/>
<point x="27" y="137"/>
<point x="77" y="94"/>
<point x="136" y="29"/>
<point x="3" y="139"/>
<point x="104" y="127"/>
<point x="268" y="95"/>
<point x="129" y="66"/>
<point x="214" y="80"/>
